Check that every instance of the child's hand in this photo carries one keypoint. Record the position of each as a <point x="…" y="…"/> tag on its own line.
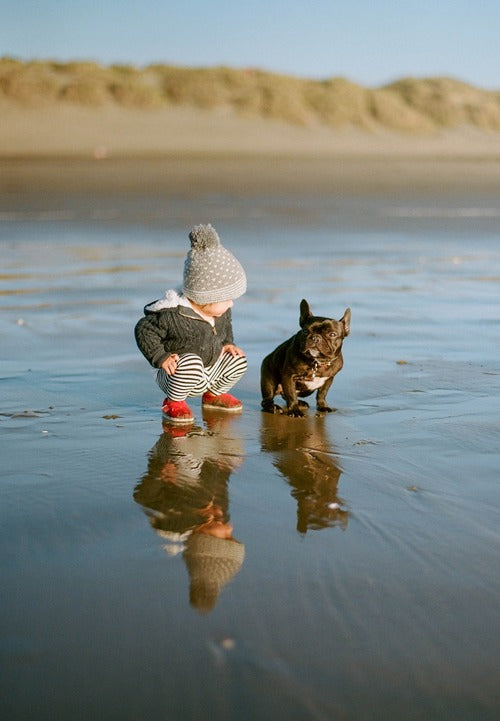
<point x="233" y="350"/>
<point x="169" y="365"/>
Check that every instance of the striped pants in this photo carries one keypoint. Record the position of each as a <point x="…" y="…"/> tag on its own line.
<point x="192" y="378"/>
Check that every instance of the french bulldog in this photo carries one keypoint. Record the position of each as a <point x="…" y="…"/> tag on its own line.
<point x="306" y="362"/>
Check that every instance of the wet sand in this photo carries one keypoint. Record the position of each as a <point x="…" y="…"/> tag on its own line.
<point x="201" y="174"/>
<point x="361" y="578"/>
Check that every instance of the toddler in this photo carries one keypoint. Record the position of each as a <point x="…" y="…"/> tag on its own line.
<point x="188" y="337"/>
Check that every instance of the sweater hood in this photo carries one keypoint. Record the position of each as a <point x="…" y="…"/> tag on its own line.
<point x="171" y="299"/>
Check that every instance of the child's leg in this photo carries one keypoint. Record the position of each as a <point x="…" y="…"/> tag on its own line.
<point x="188" y="380"/>
<point x="225" y="372"/>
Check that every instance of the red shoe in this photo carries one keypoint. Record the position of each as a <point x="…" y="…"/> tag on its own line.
<point x="224" y="402"/>
<point x="176" y="411"/>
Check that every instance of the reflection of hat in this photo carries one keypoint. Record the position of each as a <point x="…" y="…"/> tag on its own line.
<point x="211" y="562"/>
<point x="211" y="273"/>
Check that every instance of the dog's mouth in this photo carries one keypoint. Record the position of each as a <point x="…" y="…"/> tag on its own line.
<point x="313" y="352"/>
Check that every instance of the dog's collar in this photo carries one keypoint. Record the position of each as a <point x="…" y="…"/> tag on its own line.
<point x="318" y="364"/>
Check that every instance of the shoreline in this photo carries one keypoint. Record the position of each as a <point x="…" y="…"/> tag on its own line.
<point x="192" y="174"/>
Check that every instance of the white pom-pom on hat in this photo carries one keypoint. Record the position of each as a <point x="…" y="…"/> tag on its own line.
<point x="203" y="237"/>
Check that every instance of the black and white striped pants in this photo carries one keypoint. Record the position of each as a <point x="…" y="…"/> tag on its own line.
<point x="192" y="378"/>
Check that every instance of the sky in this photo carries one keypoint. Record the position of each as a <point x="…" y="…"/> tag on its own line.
<point x="370" y="42"/>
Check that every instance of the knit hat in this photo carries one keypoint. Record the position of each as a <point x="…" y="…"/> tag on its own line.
<point x="211" y="273"/>
<point x="211" y="562"/>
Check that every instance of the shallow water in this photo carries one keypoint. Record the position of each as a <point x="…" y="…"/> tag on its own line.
<point x="362" y="578"/>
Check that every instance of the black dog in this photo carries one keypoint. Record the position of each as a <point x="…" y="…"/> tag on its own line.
<point x="306" y="362"/>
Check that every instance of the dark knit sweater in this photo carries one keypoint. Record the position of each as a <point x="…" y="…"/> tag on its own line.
<point x="181" y="330"/>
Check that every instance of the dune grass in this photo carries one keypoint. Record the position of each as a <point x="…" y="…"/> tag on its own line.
<point x="410" y="105"/>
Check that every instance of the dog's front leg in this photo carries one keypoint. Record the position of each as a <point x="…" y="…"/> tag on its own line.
<point x="290" y="396"/>
<point x="321" y="396"/>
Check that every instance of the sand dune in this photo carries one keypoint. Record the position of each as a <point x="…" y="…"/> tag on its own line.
<point x="82" y="109"/>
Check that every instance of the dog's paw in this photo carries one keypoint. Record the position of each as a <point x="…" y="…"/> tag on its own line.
<point x="272" y="408"/>
<point x="295" y="412"/>
<point x="325" y="409"/>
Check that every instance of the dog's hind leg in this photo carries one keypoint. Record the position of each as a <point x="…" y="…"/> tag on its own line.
<point x="269" y="390"/>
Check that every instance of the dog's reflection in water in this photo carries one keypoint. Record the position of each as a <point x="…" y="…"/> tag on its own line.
<point x="185" y="495"/>
<point x="305" y="457"/>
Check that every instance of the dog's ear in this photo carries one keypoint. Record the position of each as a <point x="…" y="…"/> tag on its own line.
<point x="305" y="312"/>
<point x="346" y="321"/>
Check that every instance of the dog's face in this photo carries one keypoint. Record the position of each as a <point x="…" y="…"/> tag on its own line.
<point x="322" y="337"/>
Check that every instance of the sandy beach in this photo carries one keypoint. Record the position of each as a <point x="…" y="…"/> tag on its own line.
<point x="69" y="130"/>
<point x="361" y="581"/>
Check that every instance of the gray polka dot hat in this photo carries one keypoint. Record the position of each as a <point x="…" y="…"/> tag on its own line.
<point x="211" y="273"/>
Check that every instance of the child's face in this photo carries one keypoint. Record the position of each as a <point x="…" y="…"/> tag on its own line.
<point x="215" y="310"/>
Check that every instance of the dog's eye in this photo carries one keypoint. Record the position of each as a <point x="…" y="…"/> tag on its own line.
<point x="333" y="334"/>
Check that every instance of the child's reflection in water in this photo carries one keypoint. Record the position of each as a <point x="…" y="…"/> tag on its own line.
<point x="185" y="494"/>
